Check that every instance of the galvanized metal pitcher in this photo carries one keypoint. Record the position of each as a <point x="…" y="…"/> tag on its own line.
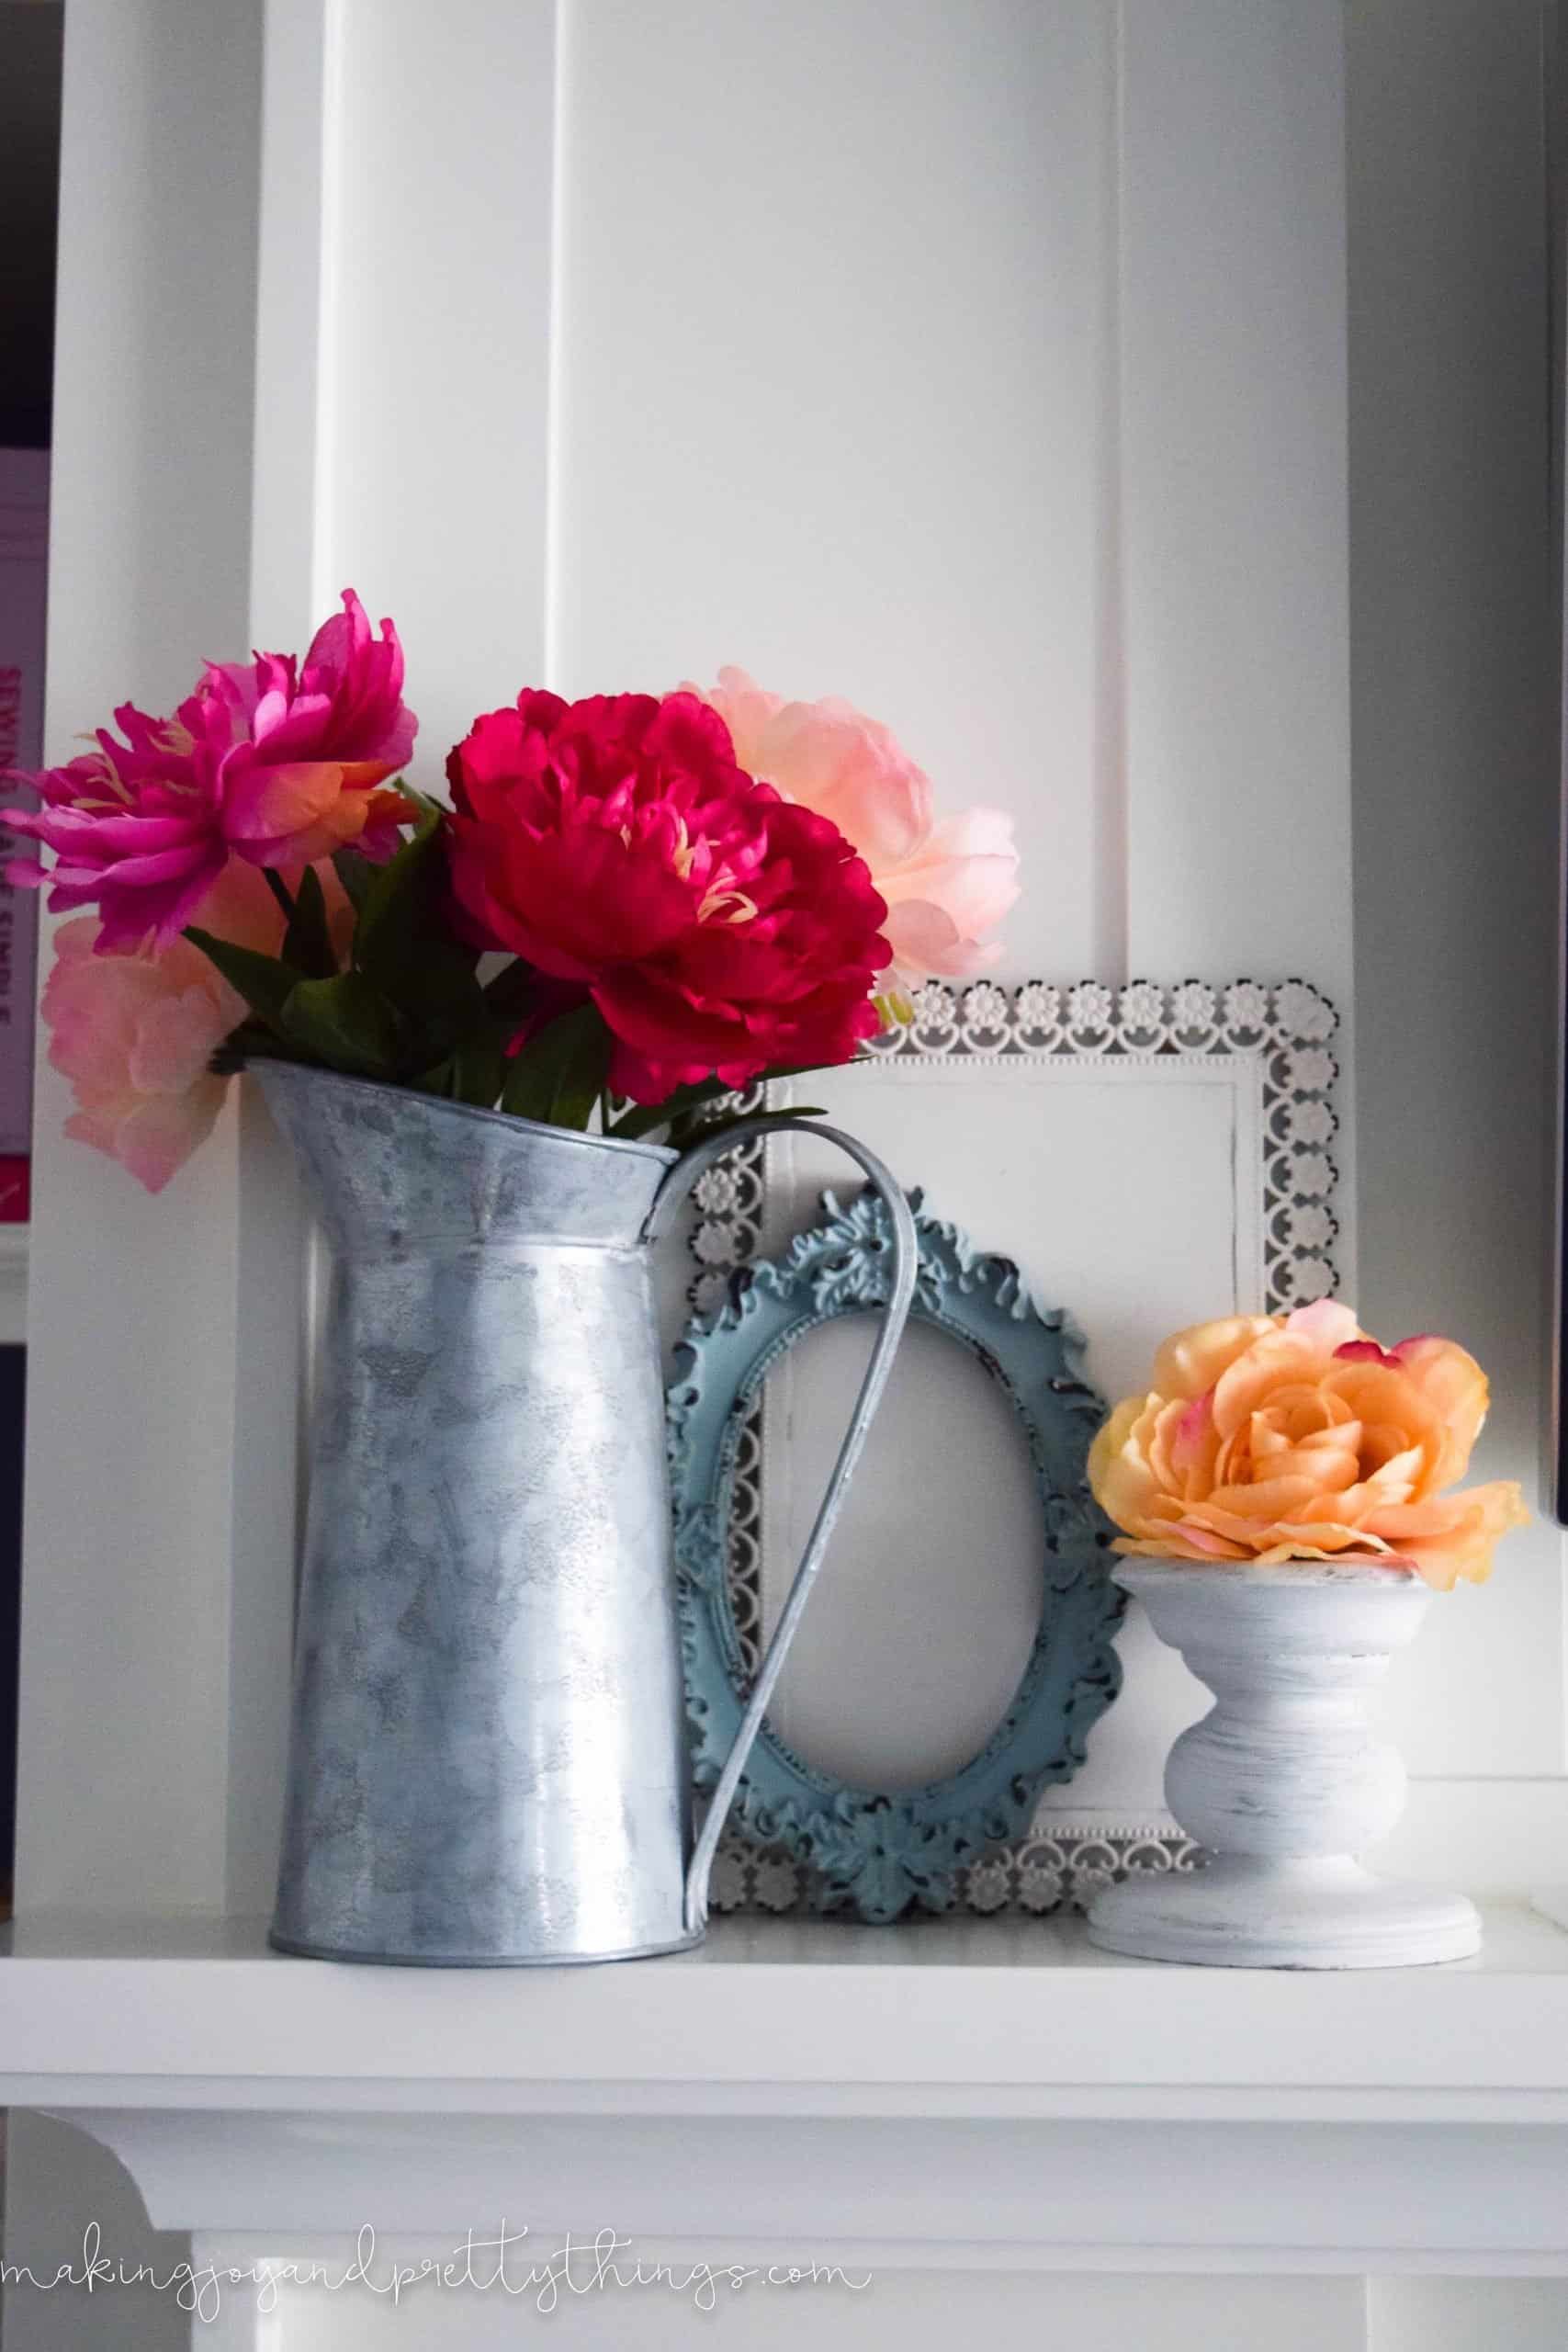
<point x="488" y="1759"/>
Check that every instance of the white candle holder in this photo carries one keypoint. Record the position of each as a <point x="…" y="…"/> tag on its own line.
<point x="1284" y="1781"/>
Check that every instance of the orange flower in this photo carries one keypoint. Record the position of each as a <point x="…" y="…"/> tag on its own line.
<point x="1296" y="1437"/>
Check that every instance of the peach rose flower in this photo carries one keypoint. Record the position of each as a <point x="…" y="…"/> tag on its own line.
<point x="135" y="1034"/>
<point x="1295" y="1437"/>
<point x="945" y="885"/>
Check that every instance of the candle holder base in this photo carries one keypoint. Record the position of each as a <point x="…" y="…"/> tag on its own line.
<point x="1241" y="1912"/>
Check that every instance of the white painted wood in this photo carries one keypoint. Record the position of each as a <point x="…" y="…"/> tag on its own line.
<point x="1234" y="510"/>
<point x="1284" y="1781"/>
<point x="436" y="364"/>
<point x="833" y="392"/>
<point x="1010" y="2016"/>
<point x="1489" y="1837"/>
<point x="291" y="587"/>
<point x="237" y="2303"/>
<point x="916" y="2100"/>
<point x="59" y="2182"/>
<point x="1456" y="798"/>
<point x="1466" y="2316"/>
<point x="1552" y="1902"/>
<point x="923" y="2192"/>
<point x="125" y="1668"/>
<point x="123" y="1780"/>
<point x="912" y="1648"/>
<point x="401" y="188"/>
<point x="291" y="582"/>
<point x="1234" y="499"/>
<point x="918" y="2311"/>
<point x="1078" y="541"/>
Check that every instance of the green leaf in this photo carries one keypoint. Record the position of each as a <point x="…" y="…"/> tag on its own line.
<point x="307" y="942"/>
<point x="403" y="947"/>
<point x="252" y="1041"/>
<point x="559" y="1074"/>
<point x="345" y="1022"/>
<point x="353" y="870"/>
<point x="263" y="982"/>
<point x="440" y="984"/>
<point x="476" y="1073"/>
<point x="644" y="1117"/>
<point x="512" y="992"/>
<point x="399" y="903"/>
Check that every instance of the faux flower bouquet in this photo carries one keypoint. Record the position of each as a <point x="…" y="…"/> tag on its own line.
<point x="632" y="905"/>
<point x="1296" y="1437"/>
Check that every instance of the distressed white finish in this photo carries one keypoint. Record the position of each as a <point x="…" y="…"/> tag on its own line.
<point x="1284" y="1781"/>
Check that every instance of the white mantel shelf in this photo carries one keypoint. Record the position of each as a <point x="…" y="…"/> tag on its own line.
<point x="1005" y="2017"/>
<point x="972" y="2086"/>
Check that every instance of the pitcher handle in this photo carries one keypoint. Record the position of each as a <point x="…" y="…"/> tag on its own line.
<point x="905" y="1261"/>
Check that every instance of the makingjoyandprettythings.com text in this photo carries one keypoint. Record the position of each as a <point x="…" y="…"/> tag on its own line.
<point x="498" y="2265"/>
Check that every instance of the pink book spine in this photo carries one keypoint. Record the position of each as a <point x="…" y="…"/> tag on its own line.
<point x="24" y="578"/>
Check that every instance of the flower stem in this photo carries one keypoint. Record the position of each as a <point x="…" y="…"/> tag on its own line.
<point x="280" y="892"/>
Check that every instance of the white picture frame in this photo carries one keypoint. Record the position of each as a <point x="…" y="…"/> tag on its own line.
<point x="1199" y="1117"/>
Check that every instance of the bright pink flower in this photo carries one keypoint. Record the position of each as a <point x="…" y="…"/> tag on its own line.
<point x="345" y="701"/>
<point x="308" y="743"/>
<point x="615" y="843"/>
<point x="275" y="763"/>
<point x="134" y="826"/>
<point x="946" y="885"/>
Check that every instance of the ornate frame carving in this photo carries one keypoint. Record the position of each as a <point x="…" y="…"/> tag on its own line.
<point x="881" y="1852"/>
<point x="1286" y="1028"/>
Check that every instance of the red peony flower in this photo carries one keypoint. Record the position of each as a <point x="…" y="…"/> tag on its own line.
<point x="615" y="846"/>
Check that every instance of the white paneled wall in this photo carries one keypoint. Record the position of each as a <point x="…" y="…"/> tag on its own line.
<point x="1233" y="512"/>
<point x="1454" y="714"/>
<point x="984" y="360"/>
<point x="833" y="383"/>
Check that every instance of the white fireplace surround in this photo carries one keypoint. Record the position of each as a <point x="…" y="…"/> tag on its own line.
<point x="952" y="2094"/>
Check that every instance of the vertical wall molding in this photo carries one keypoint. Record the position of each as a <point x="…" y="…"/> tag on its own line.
<point x="134" y="1329"/>
<point x="1454" y="711"/>
<point x="1111" y="868"/>
<point x="290" y="591"/>
<point x="290" y="569"/>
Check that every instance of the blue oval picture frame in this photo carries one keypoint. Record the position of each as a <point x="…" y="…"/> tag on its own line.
<point x="874" y="1851"/>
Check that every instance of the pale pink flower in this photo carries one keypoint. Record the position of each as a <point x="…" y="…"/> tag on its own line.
<point x="135" y="1034"/>
<point x="946" y="885"/>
